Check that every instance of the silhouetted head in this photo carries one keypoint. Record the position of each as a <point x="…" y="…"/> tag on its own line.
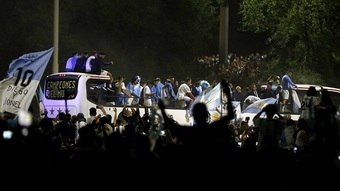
<point x="270" y="110"/>
<point x="200" y="113"/>
<point x="93" y="111"/>
<point x="311" y="91"/>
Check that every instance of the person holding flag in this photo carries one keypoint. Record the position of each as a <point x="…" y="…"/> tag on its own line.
<point x="204" y="140"/>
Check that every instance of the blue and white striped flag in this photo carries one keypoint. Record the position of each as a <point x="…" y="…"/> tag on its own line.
<point x="215" y="101"/>
<point x="258" y="105"/>
<point x="212" y="98"/>
<point x="18" y="88"/>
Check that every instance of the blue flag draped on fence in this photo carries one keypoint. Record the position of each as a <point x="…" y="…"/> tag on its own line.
<point x="18" y="88"/>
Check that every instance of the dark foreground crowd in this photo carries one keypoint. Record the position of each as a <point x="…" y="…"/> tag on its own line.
<point x="147" y="144"/>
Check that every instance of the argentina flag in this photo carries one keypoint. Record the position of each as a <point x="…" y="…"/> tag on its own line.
<point x="211" y="98"/>
<point x="258" y="105"/>
<point x="23" y="77"/>
<point x="215" y="101"/>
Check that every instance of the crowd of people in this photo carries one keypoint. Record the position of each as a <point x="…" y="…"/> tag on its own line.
<point x="275" y="142"/>
<point x="242" y="69"/>
<point x="81" y="141"/>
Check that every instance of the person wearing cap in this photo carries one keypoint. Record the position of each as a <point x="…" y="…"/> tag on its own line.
<point x="204" y="84"/>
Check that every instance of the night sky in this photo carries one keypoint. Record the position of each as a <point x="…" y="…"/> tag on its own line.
<point x="17" y="39"/>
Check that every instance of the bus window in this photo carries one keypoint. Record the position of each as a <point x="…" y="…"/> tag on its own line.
<point x="97" y="94"/>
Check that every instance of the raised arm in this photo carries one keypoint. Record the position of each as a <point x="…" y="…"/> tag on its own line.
<point x="166" y="118"/>
<point x="102" y="109"/>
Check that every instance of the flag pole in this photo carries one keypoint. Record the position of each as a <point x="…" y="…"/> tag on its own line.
<point x="55" y="67"/>
<point x="221" y="94"/>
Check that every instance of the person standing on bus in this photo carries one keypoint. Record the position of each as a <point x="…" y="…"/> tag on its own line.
<point x="268" y="92"/>
<point x="184" y="93"/>
<point x="287" y="85"/>
<point x="135" y="88"/>
<point x="120" y="89"/>
<point x="156" y="90"/>
<point x="95" y="64"/>
<point x="89" y="66"/>
<point x="71" y="62"/>
<point x="81" y="63"/>
<point x="146" y="94"/>
<point x="100" y="63"/>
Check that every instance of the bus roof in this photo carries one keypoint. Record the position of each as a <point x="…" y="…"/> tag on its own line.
<point x="306" y="86"/>
<point x="78" y="74"/>
<point x="318" y="87"/>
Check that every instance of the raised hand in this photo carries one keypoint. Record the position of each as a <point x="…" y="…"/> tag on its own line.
<point x="226" y="88"/>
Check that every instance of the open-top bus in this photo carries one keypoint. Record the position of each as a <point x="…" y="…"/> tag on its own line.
<point x="72" y="92"/>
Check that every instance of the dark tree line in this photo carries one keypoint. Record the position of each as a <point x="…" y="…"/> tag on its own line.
<point x="303" y="35"/>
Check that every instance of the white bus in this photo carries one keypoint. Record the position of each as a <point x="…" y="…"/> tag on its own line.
<point x="301" y="91"/>
<point x="72" y="92"/>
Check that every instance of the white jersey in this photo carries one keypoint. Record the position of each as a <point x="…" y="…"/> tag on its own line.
<point x="88" y="63"/>
<point x="308" y="107"/>
<point x="183" y="91"/>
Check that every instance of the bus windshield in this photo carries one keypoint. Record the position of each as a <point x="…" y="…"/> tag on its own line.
<point x="60" y="88"/>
